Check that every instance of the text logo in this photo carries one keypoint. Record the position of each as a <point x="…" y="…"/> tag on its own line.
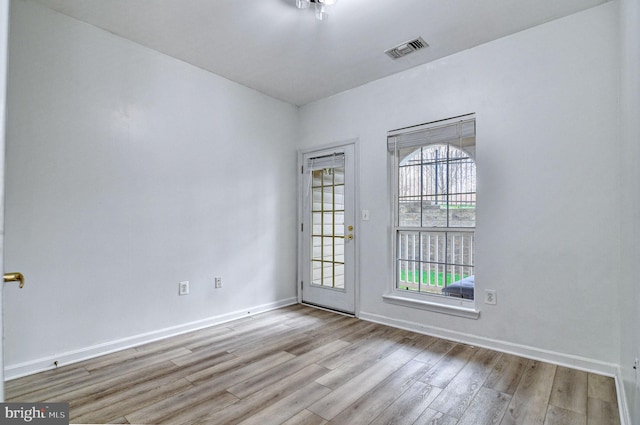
<point x="34" y="413"/>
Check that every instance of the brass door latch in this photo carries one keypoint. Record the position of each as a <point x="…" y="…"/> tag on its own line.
<point x="14" y="277"/>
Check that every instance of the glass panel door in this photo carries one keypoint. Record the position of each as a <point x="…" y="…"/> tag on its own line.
<point x="328" y="229"/>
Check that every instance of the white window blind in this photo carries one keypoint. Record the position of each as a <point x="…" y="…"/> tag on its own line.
<point x="334" y="160"/>
<point x="460" y="131"/>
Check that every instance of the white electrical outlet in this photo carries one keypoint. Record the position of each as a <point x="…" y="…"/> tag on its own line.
<point x="218" y="282"/>
<point x="490" y="296"/>
<point x="183" y="288"/>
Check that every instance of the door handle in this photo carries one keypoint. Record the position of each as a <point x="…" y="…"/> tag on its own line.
<point x="14" y="277"/>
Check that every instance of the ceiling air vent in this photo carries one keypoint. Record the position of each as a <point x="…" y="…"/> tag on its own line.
<point x="406" y="48"/>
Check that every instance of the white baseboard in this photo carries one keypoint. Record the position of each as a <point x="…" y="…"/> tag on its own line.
<point x="561" y="359"/>
<point x="46" y="363"/>
<point x="623" y="407"/>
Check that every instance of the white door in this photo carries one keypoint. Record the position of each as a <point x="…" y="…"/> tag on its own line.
<point x="4" y="35"/>
<point x="328" y="228"/>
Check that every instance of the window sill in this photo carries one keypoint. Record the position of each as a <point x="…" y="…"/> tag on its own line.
<point x="454" y="310"/>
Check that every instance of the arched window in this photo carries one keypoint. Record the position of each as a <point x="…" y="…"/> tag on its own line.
<point x="437" y="187"/>
<point x="435" y="209"/>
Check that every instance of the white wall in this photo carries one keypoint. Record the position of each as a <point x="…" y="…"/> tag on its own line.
<point x="630" y="200"/>
<point x="129" y="171"/>
<point x="548" y="183"/>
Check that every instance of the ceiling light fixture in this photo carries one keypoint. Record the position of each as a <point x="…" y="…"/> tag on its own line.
<point x="321" y="10"/>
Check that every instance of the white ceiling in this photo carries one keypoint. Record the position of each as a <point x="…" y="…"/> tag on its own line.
<point x="271" y="46"/>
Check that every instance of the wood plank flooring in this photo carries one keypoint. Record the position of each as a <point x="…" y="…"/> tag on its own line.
<point x="299" y="365"/>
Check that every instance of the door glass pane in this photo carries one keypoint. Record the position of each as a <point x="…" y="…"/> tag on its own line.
<point x="339" y="175"/>
<point x="317" y="199"/>
<point x="316" y="224"/>
<point x="339" y="275"/>
<point x="316" y="247"/>
<point x="339" y="221"/>
<point x="316" y="272"/>
<point x="338" y="200"/>
<point x="327" y="221"/>
<point x="327" y="249"/>
<point x="338" y="250"/>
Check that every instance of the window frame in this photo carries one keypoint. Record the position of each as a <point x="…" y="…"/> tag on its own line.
<point x="422" y="300"/>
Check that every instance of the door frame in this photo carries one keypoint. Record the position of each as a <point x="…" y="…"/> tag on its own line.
<point x="4" y="54"/>
<point x="301" y="207"/>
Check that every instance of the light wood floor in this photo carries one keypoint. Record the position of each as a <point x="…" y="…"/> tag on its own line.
<point x="299" y="365"/>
